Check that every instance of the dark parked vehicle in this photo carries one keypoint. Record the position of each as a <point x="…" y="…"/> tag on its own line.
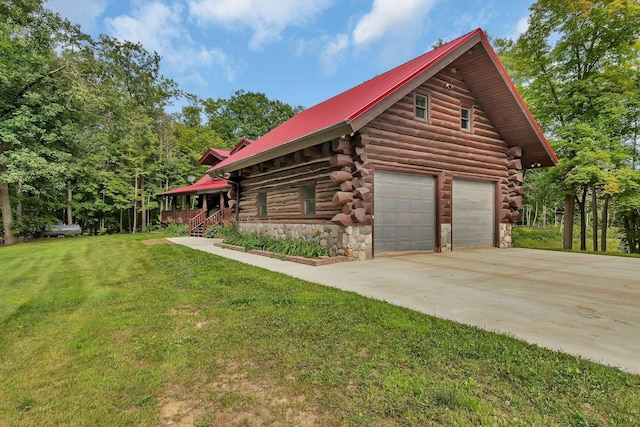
<point x="61" y="230"/>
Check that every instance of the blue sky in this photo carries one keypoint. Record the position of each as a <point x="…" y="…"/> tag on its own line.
<point x="297" y="51"/>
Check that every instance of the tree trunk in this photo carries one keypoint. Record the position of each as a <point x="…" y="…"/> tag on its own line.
<point x="69" y="200"/>
<point x="135" y="203"/>
<point x="605" y="224"/>
<point x="583" y="219"/>
<point x="633" y="229"/>
<point x="7" y="215"/>
<point x="567" y="236"/>
<point x="19" y="205"/>
<point x="594" y="213"/>
<point x="143" y="207"/>
<point x="5" y="203"/>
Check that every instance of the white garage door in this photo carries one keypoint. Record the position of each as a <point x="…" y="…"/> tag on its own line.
<point x="404" y="212"/>
<point x="473" y="214"/>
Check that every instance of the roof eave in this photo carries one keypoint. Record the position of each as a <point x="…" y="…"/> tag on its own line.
<point x="327" y="134"/>
<point x="552" y="157"/>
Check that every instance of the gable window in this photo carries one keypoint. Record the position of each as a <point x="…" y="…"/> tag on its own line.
<point x="309" y="199"/>
<point x="465" y="118"/>
<point x="421" y="107"/>
<point x="262" y="204"/>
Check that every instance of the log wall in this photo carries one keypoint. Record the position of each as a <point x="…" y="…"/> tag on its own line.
<point x="282" y="179"/>
<point x="343" y="169"/>
<point x="399" y="141"/>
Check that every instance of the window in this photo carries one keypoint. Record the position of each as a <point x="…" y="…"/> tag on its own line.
<point x="309" y="199"/>
<point x="262" y="204"/>
<point x="465" y="118"/>
<point x="421" y="107"/>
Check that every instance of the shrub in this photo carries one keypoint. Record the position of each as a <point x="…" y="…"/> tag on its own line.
<point x="179" y="229"/>
<point x="305" y="247"/>
<point x="219" y="231"/>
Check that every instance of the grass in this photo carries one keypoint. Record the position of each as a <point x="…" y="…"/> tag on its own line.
<point x="110" y="331"/>
<point x="550" y="238"/>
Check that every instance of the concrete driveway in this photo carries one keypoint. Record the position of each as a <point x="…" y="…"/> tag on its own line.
<point x="581" y="304"/>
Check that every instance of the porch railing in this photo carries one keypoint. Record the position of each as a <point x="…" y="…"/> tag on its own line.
<point x="197" y="220"/>
<point x="176" y="217"/>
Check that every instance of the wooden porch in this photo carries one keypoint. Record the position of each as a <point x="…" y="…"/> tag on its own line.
<point x="197" y="219"/>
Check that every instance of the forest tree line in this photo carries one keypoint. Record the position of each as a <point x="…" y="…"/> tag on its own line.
<point x="85" y="135"/>
<point x="577" y="67"/>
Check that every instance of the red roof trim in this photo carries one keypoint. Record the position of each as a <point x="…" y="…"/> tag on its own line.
<point x="241" y="144"/>
<point x="217" y="153"/>
<point x="197" y="188"/>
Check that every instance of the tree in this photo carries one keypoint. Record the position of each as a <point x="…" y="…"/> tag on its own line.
<point x="246" y="115"/>
<point x="83" y="128"/>
<point x="134" y="95"/>
<point x="574" y="65"/>
<point x="40" y="52"/>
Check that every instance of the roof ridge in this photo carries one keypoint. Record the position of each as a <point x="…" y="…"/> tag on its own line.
<point x="442" y="51"/>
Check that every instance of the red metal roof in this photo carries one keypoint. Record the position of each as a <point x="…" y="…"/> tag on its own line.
<point x="354" y="105"/>
<point x="213" y="155"/>
<point x="241" y="144"/>
<point x="204" y="185"/>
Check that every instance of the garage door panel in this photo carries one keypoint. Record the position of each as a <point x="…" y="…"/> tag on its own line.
<point x="404" y="212"/>
<point x="473" y="213"/>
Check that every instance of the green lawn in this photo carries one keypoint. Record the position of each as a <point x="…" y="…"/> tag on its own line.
<point x="550" y="238"/>
<point x="110" y="331"/>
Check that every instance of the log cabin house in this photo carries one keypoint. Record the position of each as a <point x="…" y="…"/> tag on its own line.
<point x="203" y="203"/>
<point x="425" y="157"/>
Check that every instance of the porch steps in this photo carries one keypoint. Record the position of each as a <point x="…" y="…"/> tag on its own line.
<point x="197" y="232"/>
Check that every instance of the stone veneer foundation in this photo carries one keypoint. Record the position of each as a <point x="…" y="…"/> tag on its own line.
<point x="445" y="237"/>
<point x="505" y="235"/>
<point x="354" y="242"/>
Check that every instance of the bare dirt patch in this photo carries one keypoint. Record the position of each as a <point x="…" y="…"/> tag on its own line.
<point x="157" y="242"/>
<point x="179" y="413"/>
<point x="235" y="397"/>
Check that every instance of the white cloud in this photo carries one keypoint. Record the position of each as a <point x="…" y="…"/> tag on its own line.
<point x="84" y="12"/>
<point x="154" y="25"/>
<point x="523" y="25"/>
<point x="266" y="19"/>
<point x="160" y="28"/>
<point x="332" y="53"/>
<point x="390" y="16"/>
<point x="393" y="25"/>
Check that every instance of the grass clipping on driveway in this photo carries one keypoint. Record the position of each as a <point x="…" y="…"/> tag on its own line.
<point x="110" y="331"/>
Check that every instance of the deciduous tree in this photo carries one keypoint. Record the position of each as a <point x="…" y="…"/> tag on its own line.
<point x="574" y="65"/>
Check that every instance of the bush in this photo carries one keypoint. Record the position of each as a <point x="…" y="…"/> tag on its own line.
<point x="304" y="247"/>
<point x="179" y="229"/>
<point x="219" y="231"/>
